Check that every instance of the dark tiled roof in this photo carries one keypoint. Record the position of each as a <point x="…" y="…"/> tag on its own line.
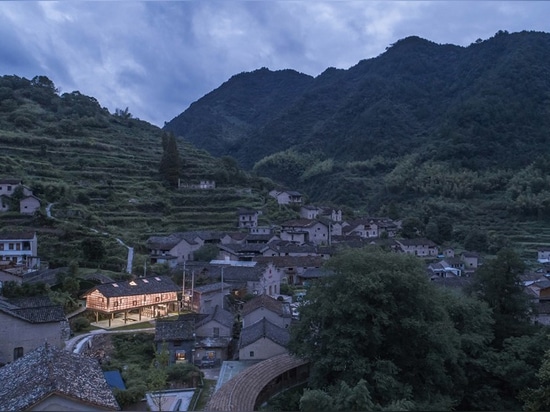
<point x="266" y="301"/>
<point x="244" y="248"/>
<point x="170" y="330"/>
<point x="243" y="273"/>
<point x="139" y="286"/>
<point x="292" y="261"/>
<point x="282" y="246"/>
<point x="416" y="242"/>
<point x="264" y="329"/>
<point x="219" y="315"/>
<point x="211" y="287"/>
<point x="33" y="310"/>
<point x="47" y="370"/>
<point x="17" y="235"/>
<point x="300" y="223"/>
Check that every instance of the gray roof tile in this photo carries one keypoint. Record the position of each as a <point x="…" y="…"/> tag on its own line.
<point x="47" y="370"/>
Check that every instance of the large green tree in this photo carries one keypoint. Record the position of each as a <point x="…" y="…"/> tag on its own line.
<point x="498" y="283"/>
<point x="170" y="164"/>
<point x="378" y="318"/>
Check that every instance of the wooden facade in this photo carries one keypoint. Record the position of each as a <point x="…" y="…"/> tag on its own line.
<point x="149" y="297"/>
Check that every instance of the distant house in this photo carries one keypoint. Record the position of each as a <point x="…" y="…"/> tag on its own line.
<point x="287" y="197"/>
<point x="304" y="231"/>
<point x="247" y="218"/>
<point x="177" y="336"/>
<point x="26" y="323"/>
<point x="316" y="212"/>
<point x="152" y="296"/>
<point x="177" y="248"/>
<point x="290" y="268"/>
<point x="29" y="205"/>
<point x="419" y="247"/>
<point x="263" y="340"/>
<point x="19" y="248"/>
<point x="264" y="306"/>
<point x="52" y="379"/>
<point x="543" y="255"/>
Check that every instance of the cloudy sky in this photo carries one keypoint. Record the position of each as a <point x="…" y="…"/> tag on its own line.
<point x="157" y="57"/>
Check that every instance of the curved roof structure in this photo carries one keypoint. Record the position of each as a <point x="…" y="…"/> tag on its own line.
<point x="240" y="392"/>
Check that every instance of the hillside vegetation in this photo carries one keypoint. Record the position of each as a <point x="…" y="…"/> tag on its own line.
<point x="431" y="130"/>
<point x="101" y="173"/>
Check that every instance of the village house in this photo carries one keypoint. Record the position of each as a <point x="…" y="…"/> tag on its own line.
<point x="305" y="231"/>
<point x="287" y="197"/>
<point x="19" y="248"/>
<point x="177" y="248"/>
<point x="262" y="340"/>
<point x="543" y="255"/>
<point x="26" y="323"/>
<point x="316" y="212"/>
<point x="28" y="204"/>
<point x="263" y="306"/>
<point x="420" y="247"/>
<point x="52" y="379"/>
<point x="177" y="336"/>
<point x="203" y="299"/>
<point x="248" y="218"/>
<point x="150" y="297"/>
<point x="213" y="336"/>
<point x="289" y="269"/>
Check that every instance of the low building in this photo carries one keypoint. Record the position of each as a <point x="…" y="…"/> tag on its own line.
<point x="264" y="306"/>
<point x="26" y="323"/>
<point x="263" y="340"/>
<point x="151" y="297"/>
<point x="53" y="379"/>
<point x="177" y="336"/>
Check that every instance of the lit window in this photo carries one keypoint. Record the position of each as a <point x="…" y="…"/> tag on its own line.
<point x="181" y="356"/>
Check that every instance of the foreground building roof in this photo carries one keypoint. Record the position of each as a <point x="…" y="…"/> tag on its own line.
<point x="48" y="371"/>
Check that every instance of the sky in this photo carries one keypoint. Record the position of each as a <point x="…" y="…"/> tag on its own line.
<point x="158" y="57"/>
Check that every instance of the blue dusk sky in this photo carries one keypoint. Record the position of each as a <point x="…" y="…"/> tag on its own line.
<point x="158" y="57"/>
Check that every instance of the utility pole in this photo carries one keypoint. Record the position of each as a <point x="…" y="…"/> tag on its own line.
<point x="222" y="287"/>
<point x="183" y="286"/>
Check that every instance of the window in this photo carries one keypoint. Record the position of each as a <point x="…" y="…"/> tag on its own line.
<point x="18" y="246"/>
<point x="216" y="332"/>
<point x="17" y="353"/>
<point x="1" y="246"/>
<point x="157" y="299"/>
<point x="134" y="303"/>
<point x="181" y="356"/>
<point x="115" y="303"/>
<point x="11" y="246"/>
<point x="251" y="353"/>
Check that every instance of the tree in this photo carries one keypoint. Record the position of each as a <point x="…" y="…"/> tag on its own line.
<point x="379" y="318"/>
<point x="498" y="284"/>
<point x="93" y="249"/>
<point x="158" y="376"/>
<point x="170" y="163"/>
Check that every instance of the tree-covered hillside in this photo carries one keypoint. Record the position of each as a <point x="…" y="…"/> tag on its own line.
<point x="430" y="129"/>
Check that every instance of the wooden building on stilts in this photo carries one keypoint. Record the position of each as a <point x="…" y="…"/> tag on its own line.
<point x="147" y="297"/>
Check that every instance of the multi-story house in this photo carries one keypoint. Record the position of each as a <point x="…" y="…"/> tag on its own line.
<point x="419" y="247"/>
<point x="305" y="230"/>
<point x="19" y="248"/>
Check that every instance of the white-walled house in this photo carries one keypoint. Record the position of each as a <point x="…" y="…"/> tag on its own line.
<point x="304" y="231"/>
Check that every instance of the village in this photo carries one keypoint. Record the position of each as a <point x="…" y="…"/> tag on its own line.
<point x="229" y="316"/>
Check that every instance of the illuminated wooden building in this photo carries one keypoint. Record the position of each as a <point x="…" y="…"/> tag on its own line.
<point x="149" y="297"/>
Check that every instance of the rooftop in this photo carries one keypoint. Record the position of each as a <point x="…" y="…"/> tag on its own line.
<point x="48" y="370"/>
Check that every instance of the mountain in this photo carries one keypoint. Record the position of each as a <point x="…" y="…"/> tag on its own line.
<point x="432" y="129"/>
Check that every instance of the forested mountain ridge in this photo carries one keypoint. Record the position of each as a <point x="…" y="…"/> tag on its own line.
<point x="435" y="129"/>
<point x="408" y="98"/>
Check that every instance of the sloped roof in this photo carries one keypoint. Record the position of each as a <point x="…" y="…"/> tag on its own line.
<point x="17" y="235"/>
<point x="219" y="315"/>
<point x="264" y="329"/>
<point x="139" y="286"/>
<point x="33" y="310"/>
<point x="243" y="273"/>
<point x="266" y="301"/>
<point x="169" y="241"/>
<point x="305" y="223"/>
<point x="49" y="370"/>
<point x="211" y="287"/>
<point x="292" y="261"/>
<point x="169" y="330"/>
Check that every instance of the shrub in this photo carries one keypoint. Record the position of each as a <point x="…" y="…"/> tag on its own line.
<point x="80" y="324"/>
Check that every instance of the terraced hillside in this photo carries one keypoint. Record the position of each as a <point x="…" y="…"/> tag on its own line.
<point x="101" y="171"/>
